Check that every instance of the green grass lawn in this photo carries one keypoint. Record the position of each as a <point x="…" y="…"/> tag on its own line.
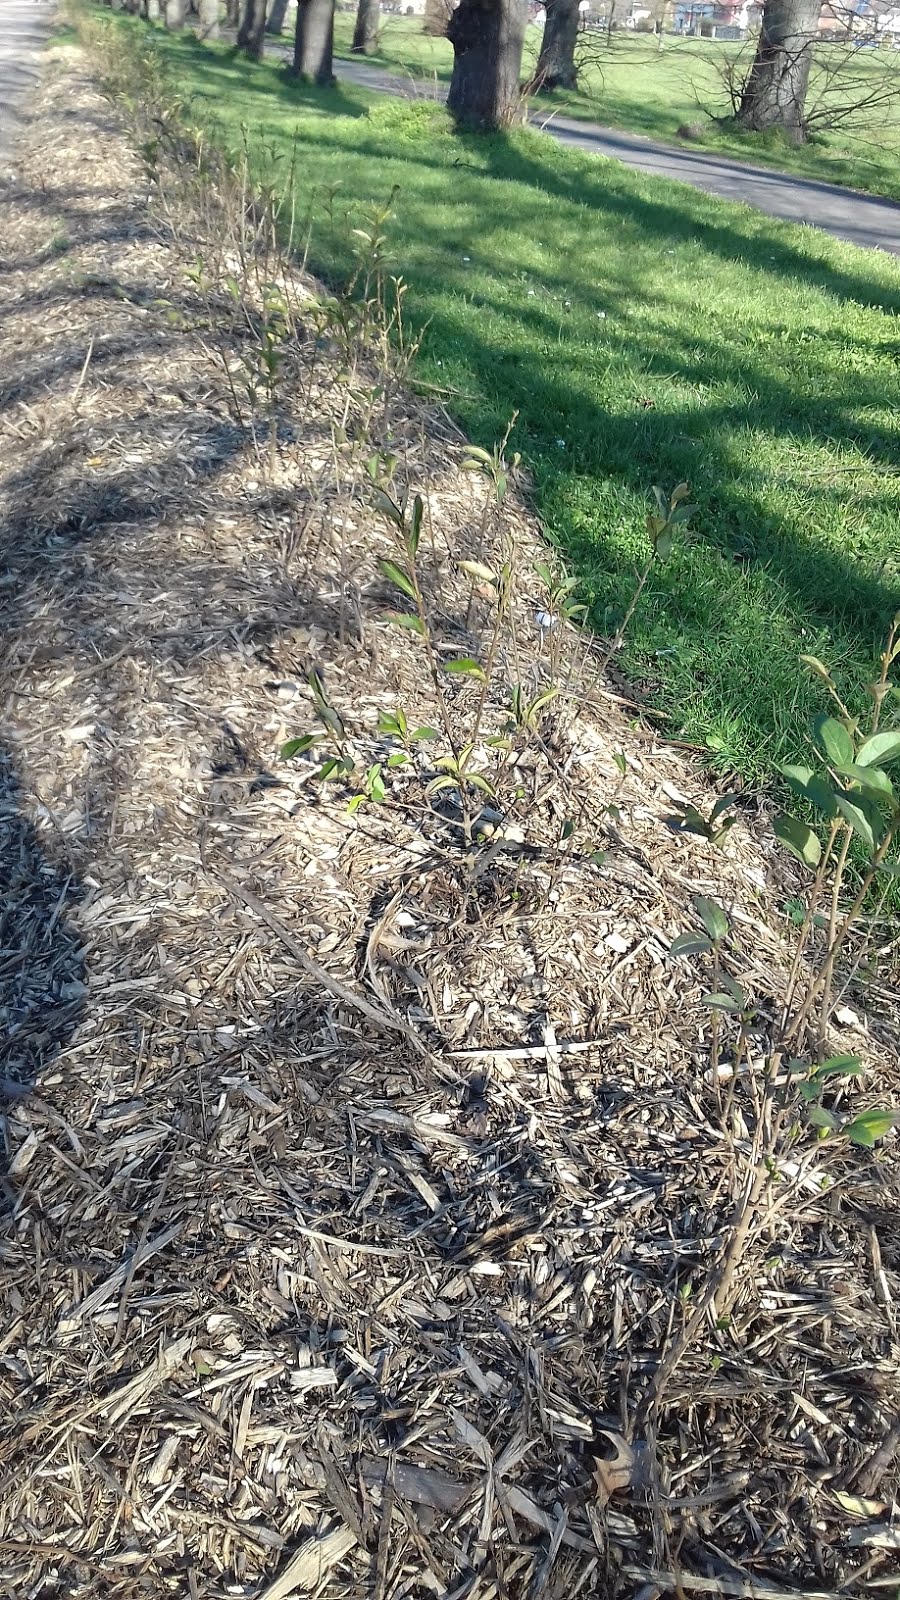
<point x="636" y="85"/>
<point x="645" y="333"/>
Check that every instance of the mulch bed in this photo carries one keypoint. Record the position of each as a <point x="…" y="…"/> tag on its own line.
<point x="357" y="1176"/>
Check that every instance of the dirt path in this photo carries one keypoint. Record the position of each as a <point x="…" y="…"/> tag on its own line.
<point x="859" y="218"/>
<point x="24" y="25"/>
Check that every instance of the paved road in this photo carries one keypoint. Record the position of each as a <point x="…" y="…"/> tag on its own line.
<point x="861" y="218"/>
<point x="24" y="26"/>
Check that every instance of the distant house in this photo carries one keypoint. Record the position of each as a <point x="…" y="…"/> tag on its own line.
<point x="887" y="25"/>
<point x="845" y="19"/>
<point x="718" y="19"/>
<point x="537" y="13"/>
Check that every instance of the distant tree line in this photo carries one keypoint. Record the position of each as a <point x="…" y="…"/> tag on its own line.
<point x="488" y="36"/>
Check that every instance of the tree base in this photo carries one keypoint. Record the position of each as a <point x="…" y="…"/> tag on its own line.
<point x="310" y="80"/>
<point x="550" y="81"/>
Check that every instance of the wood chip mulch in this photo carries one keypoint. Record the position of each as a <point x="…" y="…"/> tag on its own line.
<point x="355" y="1182"/>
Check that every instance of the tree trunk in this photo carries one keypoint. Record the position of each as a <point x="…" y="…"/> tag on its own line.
<point x="314" y="42"/>
<point x="174" y="13"/>
<point x="208" y="12"/>
<point x="487" y="38"/>
<point x="154" y="10"/>
<point x="365" y="33"/>
<point x="251" y="33"/>
<point x="774" y="95"/>
<point x="277" y="14"/>
<point x="556" y="63"/>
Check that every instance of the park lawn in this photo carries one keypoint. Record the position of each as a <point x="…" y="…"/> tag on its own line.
<point x="644" y="333"/>
<point x="637" y="86"/>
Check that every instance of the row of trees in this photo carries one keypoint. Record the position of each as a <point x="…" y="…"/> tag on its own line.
<point x="488" y="36"/>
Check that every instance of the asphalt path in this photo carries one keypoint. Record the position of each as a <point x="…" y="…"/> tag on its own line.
<point x="24" y="28"/>
<point x="863" y="219"/>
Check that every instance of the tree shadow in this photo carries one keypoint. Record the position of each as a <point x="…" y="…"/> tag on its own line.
<point x="224" y="71"/>
<point x="616" y="388"/>
<point x="647" y="205"/>
<point x="42" y="958"/>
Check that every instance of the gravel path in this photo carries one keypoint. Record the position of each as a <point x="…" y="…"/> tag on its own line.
<point x="861" y="218"/>
<point x="24" y="26"/>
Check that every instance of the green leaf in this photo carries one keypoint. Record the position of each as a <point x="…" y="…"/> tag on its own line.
<point x="879" y="749"/>
<point x="815" y="788"/>
<point x="870" y="1126"/>
<point x="872" y="779"/>
<point x="388" y="508"/>
<point x="296" y="747"/>
<point x="354" y="804"/>
<point x="542" y="701"/>
<point x="567" y="830"/>
<point x="375" y="783"/>
<point x="325" y="711"/>
<point x="821" y="795"/>
<point x="713" y="918"/>
<point x="862" y="816"/>
<point x="397" y="575"/>
<point x="820" y="1118"/>
<point x="818" y="667"/>
<point x="799" y="839"/>
<point x="721" y="1002"/>
<point x="424" y="733"/>
<point x="398" y="759"/>
<point x="466" y="666"/>
<point x="404" y="619"/>
<point x="682" y="515"/>
<point x="838" y="1067"/>
<point x="798" y="777"/>
<point x="690" y="944"/>
<point x="892" y="868"/>
<point x="834" y="740"/>
<point x="692" y="822"/>
<point x="415" y="525"/>
<point x="795" y="1065"/>
<point x="722" y="804"/>
<point x="478" y="782"/>
<point x="734" y="989"/>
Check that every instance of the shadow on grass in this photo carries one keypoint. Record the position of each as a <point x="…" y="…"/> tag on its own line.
<point x="756" y="366"/>
<point x="227" y="68"/>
